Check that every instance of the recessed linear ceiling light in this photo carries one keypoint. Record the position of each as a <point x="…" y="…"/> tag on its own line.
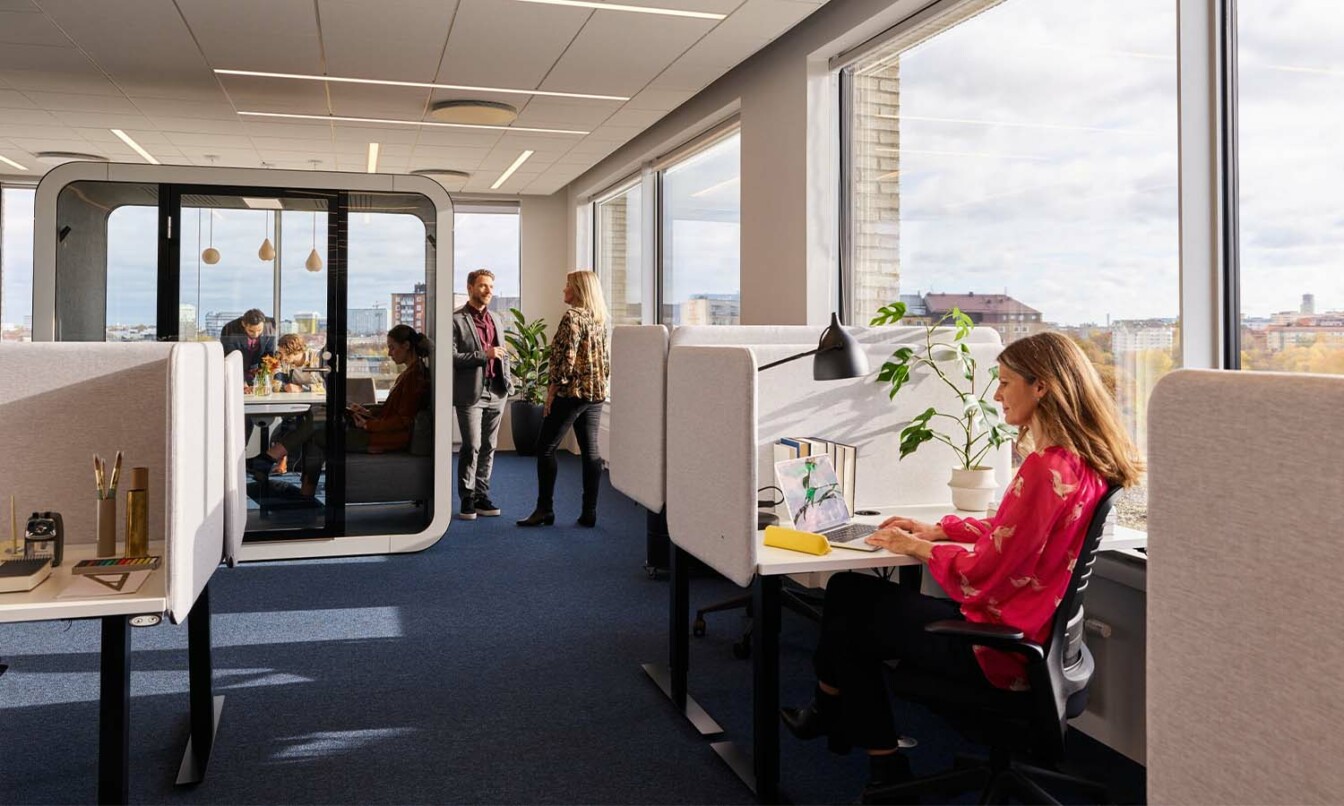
<point x="126" y="138"/>
<point x="8" y="161"/>
<point x="373" y="158"/>
<point x="422" y="84"/>
<point x="667" y="12"/>
<point x="481" y="113"/>
<point x="340" y="119"/>
<point x="61" y="157"/>
<point x="504" y="177"/>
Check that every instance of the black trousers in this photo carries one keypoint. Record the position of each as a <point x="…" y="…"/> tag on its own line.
<point x="583" y="416"/>
<point x="311" y="438"/>
<point x="866" y="621"/>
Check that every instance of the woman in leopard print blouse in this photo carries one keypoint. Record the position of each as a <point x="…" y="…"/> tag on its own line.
<point x="580" y="369"/>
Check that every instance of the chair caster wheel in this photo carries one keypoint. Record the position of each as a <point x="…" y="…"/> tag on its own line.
<point x="742" y="649"/>
<point x="698" y="628"/>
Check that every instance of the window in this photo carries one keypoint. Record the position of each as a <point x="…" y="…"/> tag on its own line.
<point x="1018" y="160"/>
<point x="1290" y="287"/>
<point x="619" y="251"/>
<point x="16" y="263"/>
<point x="488" y="237"/>
<point x="700" y="236"/>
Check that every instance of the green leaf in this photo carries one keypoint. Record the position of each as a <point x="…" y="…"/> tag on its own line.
<point x="889" y="314"/>
<point x="912" y="437"/>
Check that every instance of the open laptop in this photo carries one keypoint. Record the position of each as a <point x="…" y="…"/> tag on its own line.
<point x="812" y="495"/>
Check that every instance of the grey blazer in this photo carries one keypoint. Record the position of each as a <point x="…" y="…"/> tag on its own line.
<point x="469" y="358"/>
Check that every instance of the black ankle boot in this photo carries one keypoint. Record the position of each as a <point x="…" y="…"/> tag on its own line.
<point x="821" y="717"/>
<point x="538" y="517"/>
<point x="588" y="518"/>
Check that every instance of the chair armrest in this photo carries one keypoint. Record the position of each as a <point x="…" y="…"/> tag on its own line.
<point x="994" y="636"/>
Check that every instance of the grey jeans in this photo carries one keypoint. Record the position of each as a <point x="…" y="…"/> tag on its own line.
<point x="479" y="424"/>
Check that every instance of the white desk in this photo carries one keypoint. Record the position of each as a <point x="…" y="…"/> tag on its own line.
<point x="759" y="769"/>
<point x="116" y="612"/>
<point x="282" y="402"/>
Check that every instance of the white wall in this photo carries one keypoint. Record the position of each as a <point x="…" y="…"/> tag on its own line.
<point x="546" y="256"/>
<point x="787" y="103"/>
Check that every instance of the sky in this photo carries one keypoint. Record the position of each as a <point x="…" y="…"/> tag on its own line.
<point x="1039" y="156"/>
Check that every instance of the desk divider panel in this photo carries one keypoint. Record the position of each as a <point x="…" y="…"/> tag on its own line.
<point x="159" y="403"/>
<point x="718" y="403"/>
<point x="638" y="450"/>
<point x="235" y="458"/>
<point x="1245" y="697"/>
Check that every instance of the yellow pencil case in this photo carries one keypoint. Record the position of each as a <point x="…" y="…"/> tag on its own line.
<point x="794" y="540"/>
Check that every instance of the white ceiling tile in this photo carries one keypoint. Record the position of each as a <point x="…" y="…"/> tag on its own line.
<point x="640" y="118"/>
<point x="35" y="132"/>
<point x="614" y="134"/>
<point x="287" y="129"/>
<point x="19" y="5"/>
<point x="146" y="137"/>
<point x="234" y="158"/>
<point x="209" y="140"/>
<point x="369" y="101"/>
<point x="77" y="77"/>
<point x="712" y="6"/>
<point x="372" y="133"/>
<point x="42" y="57"/>
<point x="560" y="113"/>
<point x="617" y="54"/>
<point x="252" y="94"/>
<point x="268" y="35"/>
<point x="169" y="124"/>
<point x="764" y="19"/>
<point x="687" y="76"/>
<point x="441" y="157"/>
<point x="33" y="146"/>
<point x="218" y="110"/>
<point x="723" y="50"/>
<point x="410" y="37"/>
<point x="26" y="28"/>
<point x="459" y="138"/>
<point x="142" y="44"/>
<point x="27" y="117"/>
<point x="660" y="99"/>
<point x="66" y="102"/>
<point x="511" y="45"/>
<point x="101" y="120"/>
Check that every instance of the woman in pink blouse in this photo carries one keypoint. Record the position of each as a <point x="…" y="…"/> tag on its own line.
<point x="1015" y="572"/>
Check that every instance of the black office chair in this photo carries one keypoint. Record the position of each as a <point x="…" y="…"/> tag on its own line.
<point x="1028" y="723"/>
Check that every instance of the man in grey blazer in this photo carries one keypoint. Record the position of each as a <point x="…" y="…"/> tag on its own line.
<point x="480" y="387"/>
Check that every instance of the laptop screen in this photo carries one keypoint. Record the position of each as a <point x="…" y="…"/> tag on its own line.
<point x="812" y="493"/>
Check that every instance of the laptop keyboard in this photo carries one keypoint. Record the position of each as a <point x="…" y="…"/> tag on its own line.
<point x="850" y="533"/>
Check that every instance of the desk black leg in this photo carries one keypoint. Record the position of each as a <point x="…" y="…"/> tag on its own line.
<point x="759" y="770"/>
<point x="910" y="575"/>
<point x="205" y="706"/>
<point x="672" y="678"/>
<point x="114" y="706"/>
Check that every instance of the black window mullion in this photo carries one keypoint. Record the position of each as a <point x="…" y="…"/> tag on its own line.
<point x="167" y="324"/>
<point x="1230" y="270"/>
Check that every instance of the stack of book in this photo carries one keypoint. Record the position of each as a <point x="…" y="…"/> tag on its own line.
<point x="844" y="458"/>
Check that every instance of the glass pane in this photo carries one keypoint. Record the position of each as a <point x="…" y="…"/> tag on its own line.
<point x="488" y="241"/>
<point x="389" y="472"/>
<point x="1289" y="128"/>
<point x="1018" y="160"/>
<point x="619" y="256"/>
<point x="701" y="237"/>
<point x="16" y="264"/>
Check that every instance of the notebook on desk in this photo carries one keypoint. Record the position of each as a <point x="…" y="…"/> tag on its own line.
<point x="813" y="497"/>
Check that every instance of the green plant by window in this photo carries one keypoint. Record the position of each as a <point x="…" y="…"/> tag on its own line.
<point x="531" y="362"/>
<point x="980" y="427"/>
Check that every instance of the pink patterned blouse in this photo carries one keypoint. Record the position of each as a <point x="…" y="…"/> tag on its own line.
<point x="1022" y="560"/>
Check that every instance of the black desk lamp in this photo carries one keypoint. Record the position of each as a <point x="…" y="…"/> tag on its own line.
<point x="837" y="357"/>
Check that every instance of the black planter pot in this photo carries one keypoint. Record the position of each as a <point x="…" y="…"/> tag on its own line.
<point x="525" y="423"/>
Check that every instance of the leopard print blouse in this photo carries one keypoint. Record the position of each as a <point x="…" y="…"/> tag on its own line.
<point x="580" y="357"/>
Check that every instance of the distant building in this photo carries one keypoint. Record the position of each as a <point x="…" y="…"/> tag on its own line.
<point x="711" y="309"/>
<point x="186" y="322"/>
<point x="216" y="320"/>
<point x="409" y="309"/>
<point x="367" y="321"/>
<point x="1308" y="303"/>
<point x="1135" y="337"/>
<point x="1011" y="318"/>
<point x="1326" y="329"/>
<point x="307" y="324"/>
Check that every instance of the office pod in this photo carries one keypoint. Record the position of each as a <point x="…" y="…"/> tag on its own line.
<point x="325" y="283"/>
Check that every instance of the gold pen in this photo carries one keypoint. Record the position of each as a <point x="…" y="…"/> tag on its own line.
<point x="116" y="474"/>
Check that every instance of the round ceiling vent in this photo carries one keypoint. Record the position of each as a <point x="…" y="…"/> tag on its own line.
<point x="477" y="113"/>
<point x="453" y="180"/>
<point x="59" y="157"/>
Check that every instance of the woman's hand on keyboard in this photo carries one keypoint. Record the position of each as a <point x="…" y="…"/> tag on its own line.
<point x="931" y="532"/>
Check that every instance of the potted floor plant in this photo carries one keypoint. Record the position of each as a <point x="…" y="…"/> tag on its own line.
<point x="974" y="428"/>
<point x="530" y="358"/>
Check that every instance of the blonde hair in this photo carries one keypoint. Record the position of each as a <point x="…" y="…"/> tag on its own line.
<point x="1076" y="412"/>
<point x="587" y="290"/>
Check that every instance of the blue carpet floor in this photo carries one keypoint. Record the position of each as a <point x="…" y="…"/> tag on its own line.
<point x="499" y="666"/>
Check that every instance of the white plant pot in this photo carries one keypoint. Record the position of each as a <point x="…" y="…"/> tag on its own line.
<point x="972" y="490"/>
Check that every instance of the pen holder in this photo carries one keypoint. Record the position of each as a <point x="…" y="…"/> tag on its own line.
<point x="107" y="527"/>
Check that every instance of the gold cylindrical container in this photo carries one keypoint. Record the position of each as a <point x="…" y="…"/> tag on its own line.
<point x="107" y="527"/>
<point x="137" y="513"/>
